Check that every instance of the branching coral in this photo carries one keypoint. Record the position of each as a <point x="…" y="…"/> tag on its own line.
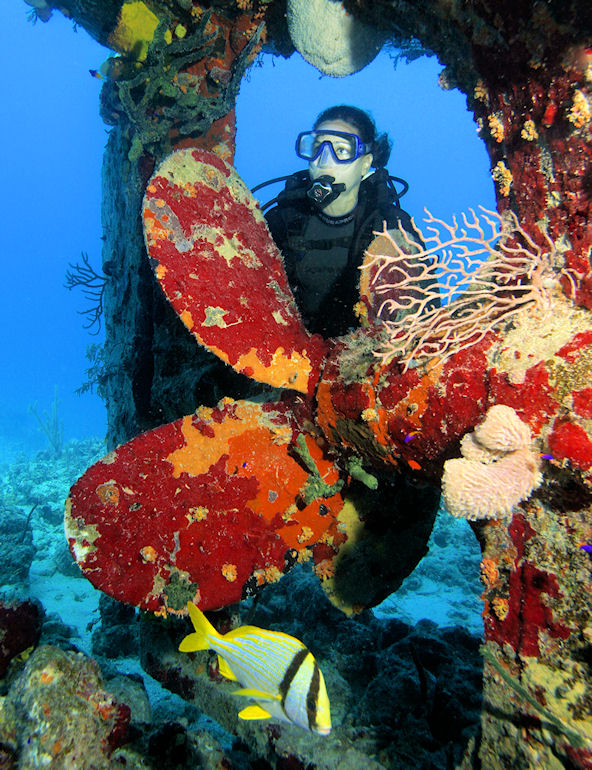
<point x="482" y="271"/>
<point x="97" y="373"/>
<point x="51" y="424"/>
<point x="93" y="287"/>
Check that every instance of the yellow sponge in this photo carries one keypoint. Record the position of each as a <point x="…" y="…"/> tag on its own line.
<point x="134" y="31"/>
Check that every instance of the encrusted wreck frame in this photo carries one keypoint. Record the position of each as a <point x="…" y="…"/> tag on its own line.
<point x="526" y="70"/>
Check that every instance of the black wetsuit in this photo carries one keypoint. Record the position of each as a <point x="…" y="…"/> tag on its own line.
<point x="322" y="254"/>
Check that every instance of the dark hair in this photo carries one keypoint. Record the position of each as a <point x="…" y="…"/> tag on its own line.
<point x="378" y="144"/>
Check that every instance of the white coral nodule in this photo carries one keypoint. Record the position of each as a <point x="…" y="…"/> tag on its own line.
<point x="331" y="39"/>
<point x="498" y="468"/>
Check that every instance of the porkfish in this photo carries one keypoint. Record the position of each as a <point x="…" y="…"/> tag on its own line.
<point x="275" y="670"/>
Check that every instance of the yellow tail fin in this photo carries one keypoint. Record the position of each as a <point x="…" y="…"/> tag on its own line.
<point x="203" y="629"/>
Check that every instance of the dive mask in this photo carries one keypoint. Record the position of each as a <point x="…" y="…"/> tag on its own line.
<point x="344" y="147"/>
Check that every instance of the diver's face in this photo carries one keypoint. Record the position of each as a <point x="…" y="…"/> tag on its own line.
<point x="350" y="174"/>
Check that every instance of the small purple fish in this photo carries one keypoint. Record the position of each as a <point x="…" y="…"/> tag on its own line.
<point x="587" y="547"/>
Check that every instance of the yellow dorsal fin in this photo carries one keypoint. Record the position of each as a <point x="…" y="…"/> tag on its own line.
<point x="237" y="633"/>
<point x="259" y="694"/>
<point x="225" y="670"/>
<point x="254" y="712"/>
<point x="203" y="629"/>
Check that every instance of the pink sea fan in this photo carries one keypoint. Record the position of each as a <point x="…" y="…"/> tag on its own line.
<point x="488" y="482"/>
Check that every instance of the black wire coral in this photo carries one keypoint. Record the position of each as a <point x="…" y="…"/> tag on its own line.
<point x="93" y="288"/>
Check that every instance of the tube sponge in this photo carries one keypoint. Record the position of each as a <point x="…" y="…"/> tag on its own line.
<point x="497" y="470"/>
<point x="330" y="39"/>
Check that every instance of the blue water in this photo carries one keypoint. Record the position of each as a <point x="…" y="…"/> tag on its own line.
<point x="435" y="143"/>
<point x="52" y="143"/>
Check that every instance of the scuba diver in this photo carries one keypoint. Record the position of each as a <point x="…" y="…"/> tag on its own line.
<point x="325" y="217"/>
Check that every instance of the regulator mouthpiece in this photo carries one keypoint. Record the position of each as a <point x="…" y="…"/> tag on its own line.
<point x="323" y="191"/>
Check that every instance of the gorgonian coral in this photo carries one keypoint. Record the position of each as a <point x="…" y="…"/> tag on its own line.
<point x="467" y="278"/>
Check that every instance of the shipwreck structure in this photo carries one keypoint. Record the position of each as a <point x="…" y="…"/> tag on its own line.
<point x="526" y="70"/>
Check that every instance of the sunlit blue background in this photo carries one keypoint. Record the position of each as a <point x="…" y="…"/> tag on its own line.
<point x="52" y="143"/>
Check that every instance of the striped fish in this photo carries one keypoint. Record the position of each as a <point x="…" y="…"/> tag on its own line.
<point x="276" y="670"/>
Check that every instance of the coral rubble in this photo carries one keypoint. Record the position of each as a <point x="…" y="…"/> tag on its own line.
<point x="64" y="716"/>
